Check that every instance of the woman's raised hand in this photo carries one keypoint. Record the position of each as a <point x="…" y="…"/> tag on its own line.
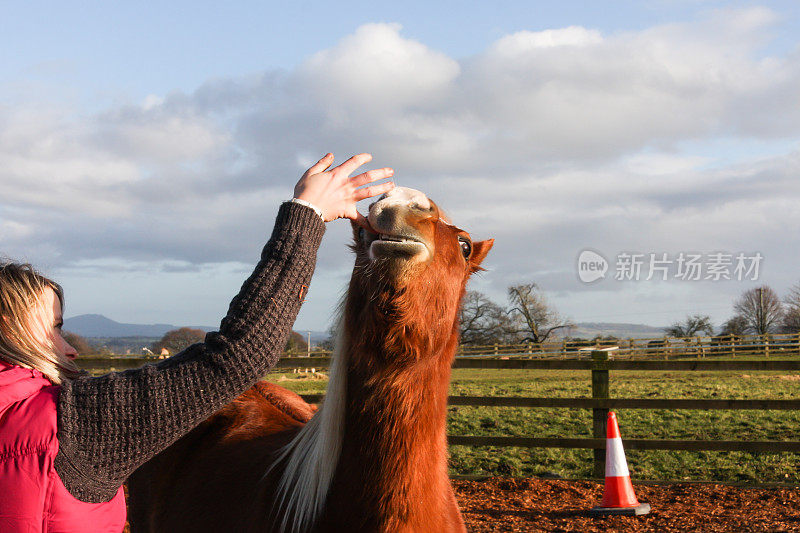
<point x="336" y="193"/>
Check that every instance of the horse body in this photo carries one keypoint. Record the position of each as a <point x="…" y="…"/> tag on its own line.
<point x="207" y="480"/>
<point x="374" y="458"/>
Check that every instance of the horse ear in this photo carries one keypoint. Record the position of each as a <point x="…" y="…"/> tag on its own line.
<point x="479" y="251"/>
<point x="356" y="227"/>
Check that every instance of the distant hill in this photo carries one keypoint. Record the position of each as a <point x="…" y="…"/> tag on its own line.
<point x="104" y="329"/>
<point x="100" y="326"/>
<point x="588" y="330"/>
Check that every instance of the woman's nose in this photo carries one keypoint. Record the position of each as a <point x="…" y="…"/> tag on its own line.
<point x="69" y="351"/>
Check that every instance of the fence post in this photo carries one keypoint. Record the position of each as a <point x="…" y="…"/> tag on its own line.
<point x="599" y="390"/>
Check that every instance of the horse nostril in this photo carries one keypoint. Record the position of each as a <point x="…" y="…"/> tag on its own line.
<point x="386" y="218"/>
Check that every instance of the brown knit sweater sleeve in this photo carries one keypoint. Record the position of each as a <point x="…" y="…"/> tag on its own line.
<point x="109" y="425"/>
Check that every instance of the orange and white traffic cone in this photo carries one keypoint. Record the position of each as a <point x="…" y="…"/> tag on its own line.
<point x="618" y="496"/>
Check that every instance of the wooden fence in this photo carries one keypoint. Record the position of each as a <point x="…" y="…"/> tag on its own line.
<point x="660" y="347"/>
<point x="599" y="365"/>
<point x="775" y="345"/>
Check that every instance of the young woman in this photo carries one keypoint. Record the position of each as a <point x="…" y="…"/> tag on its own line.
<point x="68" y="441"/>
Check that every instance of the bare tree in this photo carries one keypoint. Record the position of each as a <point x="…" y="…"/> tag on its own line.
<point x="691" y="326"/>
<point x="791" y="315"/>
<point x="761" y="308"/>
<point x="535" y="318"/>
<point x="482" y="321"/>
<point x="80" y="344"/>
<point x="179" y="339"/>
<point x="296" y="343"/>
<point x="736" y="325"/>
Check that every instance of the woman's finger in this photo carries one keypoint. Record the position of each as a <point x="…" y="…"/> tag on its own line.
<point x="372" y="175"/>
<point x="321" y="166"/>
<point x="353" y="163"/>
<point x="372" y="190"/>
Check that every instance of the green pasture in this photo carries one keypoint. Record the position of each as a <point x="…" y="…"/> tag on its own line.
<point x="638" y="423"/>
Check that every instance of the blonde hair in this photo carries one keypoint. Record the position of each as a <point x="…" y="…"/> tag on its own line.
<point x="24" y="336"/>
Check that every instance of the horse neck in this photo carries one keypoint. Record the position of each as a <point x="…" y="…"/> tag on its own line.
<point x="377" y="447"/>
<point x="394" y="449"/>
<point x="401" y="412"/>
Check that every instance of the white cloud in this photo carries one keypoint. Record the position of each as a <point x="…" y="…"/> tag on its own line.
<point x="625" y="92"/>
<point x="151" y="101"/>
<point x="158" y="135"/>
<point x="519" y="44"/>
<point x="376" y="67"/>
<point x="11" y="230"/>
<point x="47" y="161"/>
<point x="660" y="163"/>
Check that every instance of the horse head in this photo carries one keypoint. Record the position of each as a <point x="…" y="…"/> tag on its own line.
<point x="410" y="274"/>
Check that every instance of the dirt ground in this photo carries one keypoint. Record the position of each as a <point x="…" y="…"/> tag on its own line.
<point x="558" y="505"/>
<point x="531" y="505"/>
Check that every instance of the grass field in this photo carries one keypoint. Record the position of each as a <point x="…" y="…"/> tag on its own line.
<point x="634" y="423"/>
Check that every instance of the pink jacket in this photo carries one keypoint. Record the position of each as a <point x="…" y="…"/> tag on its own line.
<point x="32" y="496"/>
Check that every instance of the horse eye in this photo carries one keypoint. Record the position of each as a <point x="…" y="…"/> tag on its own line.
<point x="466" y="247"/>
<point x="361" y="234"/>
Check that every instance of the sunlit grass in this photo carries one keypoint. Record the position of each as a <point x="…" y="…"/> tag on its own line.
<point x="634" y="423"/>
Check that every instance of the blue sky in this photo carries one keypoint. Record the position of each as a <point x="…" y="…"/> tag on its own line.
<point x="102" y="53"/>
<point x="135" y="139"/>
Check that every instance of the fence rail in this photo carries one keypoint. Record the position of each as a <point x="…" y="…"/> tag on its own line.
<point x="599" y="444"/>
<point x="608" y="403"/>
<point x="100" y="364"/>
<point x="770" y="345"/>
<point x="656" y="347"/>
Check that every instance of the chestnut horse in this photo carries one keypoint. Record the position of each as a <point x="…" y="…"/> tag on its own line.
<point x="374" y="457"/>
